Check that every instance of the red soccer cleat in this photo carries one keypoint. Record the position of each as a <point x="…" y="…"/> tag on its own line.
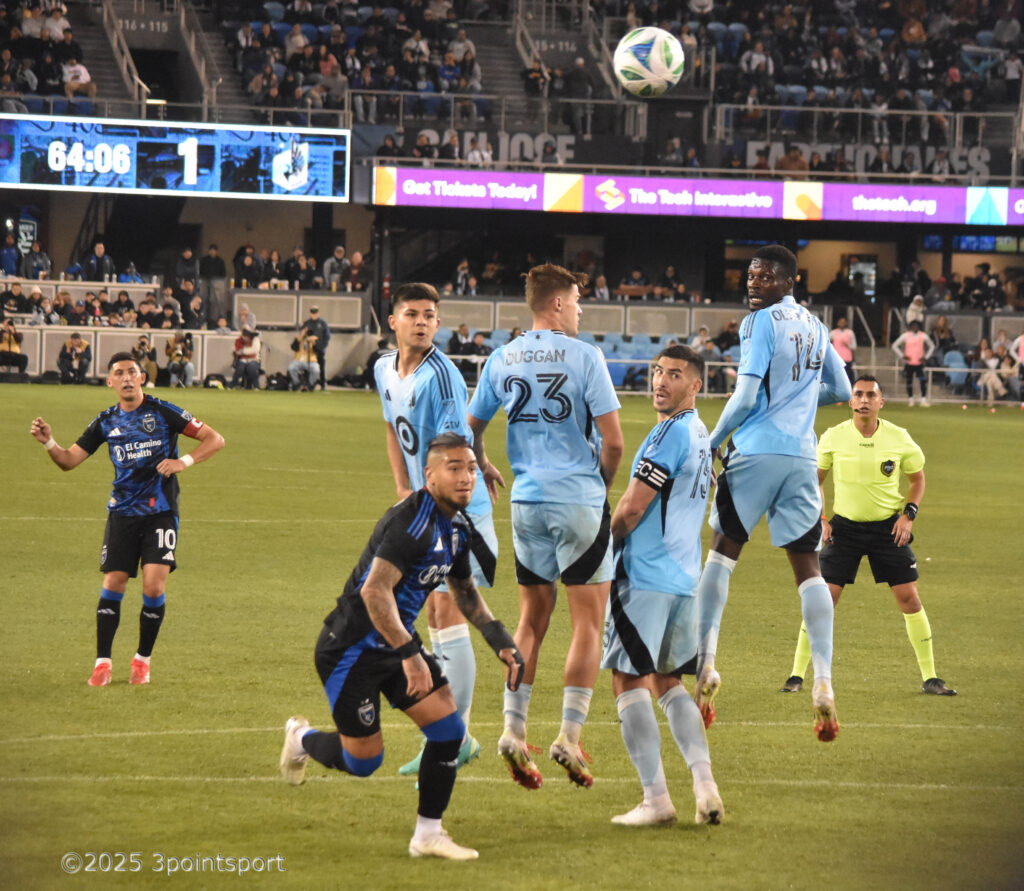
<point x="100" y="675"/>
<point x="516" y="753"/>
<point x="140" y="672"/>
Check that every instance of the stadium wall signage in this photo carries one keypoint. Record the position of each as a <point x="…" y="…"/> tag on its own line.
<point x="671" y="196"/>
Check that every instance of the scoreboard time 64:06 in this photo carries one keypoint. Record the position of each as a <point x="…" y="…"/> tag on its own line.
<point x="154" y="157"/>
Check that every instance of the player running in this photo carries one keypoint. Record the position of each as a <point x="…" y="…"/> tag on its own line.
<point x="871" y="518"/>
<point x="564" y="443"/>
<point x="141" y="433"/>
<point x="422" y="395"/>
<point x="787" y="368"/>
<point x="368" y="645"/>
<point x="650" y="635"/>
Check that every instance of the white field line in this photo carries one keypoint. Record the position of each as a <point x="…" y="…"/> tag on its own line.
<point x="393" y="727"/>
<point x="463" y="778"/>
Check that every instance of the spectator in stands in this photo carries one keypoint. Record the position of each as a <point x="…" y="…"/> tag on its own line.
<point x="942" y="335"/>
<point x="186" y="268"/>
<point x="845" y="342"/>
<point x="306" y="276"/>
<point x="793" y="161"/>
<point x="195" y="314"/>
<point x="710" y="353"/>
<point x="74" y="359"/>
<point x="637" y="283"/>
<point x="536" y="80"/>
<point x="601" y="290"/>
<point x="579" y="86"/>
<point x="460" y="45"/>
<point x="471" y="71"/>
<point x="550" y="156"/>
<point x="246" y="361"/>
<point x="359" y="276"/>
<point x="940" y="169"/>
<point x="55" y="22"/>
<point x="460" y="341"/>
<point x="916" y="310"/>
<point x="450" y="151"/>
<point x="45" y="314"/>
<point x="169" y="319"/>
<point x="475" y="155"/>
<point x="883" y="162"/>
<point x="10" y="256"/>
<point x="13" y="300"/>
<point x="77" y="79"/>
<point x="10" y="96"/>
<point x="938" y="293"/>
<point x="11" y="339"/>
<point x="672" y="156"/>
<point x="364" y="104"/>
<point x="144" y="353"/>
<point x="98" y="266"/>
<point x="294" y="42"/>
<point x="148" y="316"/>
<point x="729" y="336"/>
<point x="248" y="271"/>
<point x="336" y="269"/>
<point x="36" y="263"/>
<point x="212" y="280"/>
<point x="668" y="286"/>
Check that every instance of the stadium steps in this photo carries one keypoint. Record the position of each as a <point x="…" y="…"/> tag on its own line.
<point x="87" y="24"/>
<point x="501" y="67"/>
<point x="230" y="92"/>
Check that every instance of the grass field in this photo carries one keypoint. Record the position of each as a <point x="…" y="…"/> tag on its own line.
<point x="917" y="792"/>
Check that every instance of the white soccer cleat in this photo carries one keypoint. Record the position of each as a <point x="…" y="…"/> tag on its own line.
<point x="516" y="753"/>
<point x="293" y="756"/>
<point x="440" y="845"/>
<point x="910" y="402"/>
<point x="710" y="809"/>
<point x="648" y="813"/>
<point x="826" y="723"/>
<point x="925" y="403"/>
<point x="704" y="695"/>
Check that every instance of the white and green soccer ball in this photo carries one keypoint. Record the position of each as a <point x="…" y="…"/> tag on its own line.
<point x="648" y="61"/>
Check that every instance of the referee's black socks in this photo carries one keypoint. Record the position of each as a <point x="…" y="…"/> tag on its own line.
<point x="108" y="617"/>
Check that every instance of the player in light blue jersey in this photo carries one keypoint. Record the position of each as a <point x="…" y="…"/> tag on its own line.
<point x="787" y="368"/>
<point x="650" y="632"/>
<point x="423" y="395"/>
<point x="564" y="444"/>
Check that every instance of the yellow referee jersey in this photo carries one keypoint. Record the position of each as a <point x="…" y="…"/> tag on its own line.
<point x="866" y="470"/>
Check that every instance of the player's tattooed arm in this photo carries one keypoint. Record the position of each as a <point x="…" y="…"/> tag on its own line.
<point x="379" y="597"/>
<point x="468" y="600"/>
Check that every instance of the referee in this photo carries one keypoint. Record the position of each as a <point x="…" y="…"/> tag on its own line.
<point x="871" y="519"/>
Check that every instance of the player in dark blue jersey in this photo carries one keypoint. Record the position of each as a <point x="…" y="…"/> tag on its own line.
<point x="142" y="520"/>
<point x="368" y="645"/>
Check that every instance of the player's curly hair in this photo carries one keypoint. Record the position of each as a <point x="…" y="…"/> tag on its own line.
<point x="545" y="281"/>
<point x="781" y="256"/>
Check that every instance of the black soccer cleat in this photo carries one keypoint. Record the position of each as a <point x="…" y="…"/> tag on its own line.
<point x="937" y="687"/>
<point x="794" y="684"/>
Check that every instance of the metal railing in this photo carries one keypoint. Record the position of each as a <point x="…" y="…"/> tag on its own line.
<point x="123" y="59"/>
<point x="201" y="54"/>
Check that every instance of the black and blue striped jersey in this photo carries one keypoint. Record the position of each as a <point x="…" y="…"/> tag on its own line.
<point x="138" y="441"/>
<point x="426" y="546"/>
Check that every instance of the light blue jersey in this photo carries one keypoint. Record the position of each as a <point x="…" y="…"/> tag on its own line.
<point x="788" y="349"/>
<point x="428" y="402"/>
<point x="663" y="552"/>
<point x="551" y="386"/>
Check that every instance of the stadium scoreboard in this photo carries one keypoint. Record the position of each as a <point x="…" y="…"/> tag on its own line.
<point x="160" y="158"/>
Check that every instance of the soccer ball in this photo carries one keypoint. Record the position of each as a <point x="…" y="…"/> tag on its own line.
<point x="648" y="61"/>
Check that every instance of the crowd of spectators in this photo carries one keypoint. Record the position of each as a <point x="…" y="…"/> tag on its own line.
<point x="302" y="57"/>
<point x="894" y="55"/>
<point x="40" y="58"/>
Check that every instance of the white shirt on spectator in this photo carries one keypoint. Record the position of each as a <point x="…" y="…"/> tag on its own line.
<point x="76" y="74"/>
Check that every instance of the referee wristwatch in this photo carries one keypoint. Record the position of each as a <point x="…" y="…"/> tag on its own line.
<point x="910" y="511"/>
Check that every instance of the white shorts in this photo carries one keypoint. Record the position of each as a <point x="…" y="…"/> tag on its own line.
<point x="649" y="631"/>
<point x="570" y="541"/>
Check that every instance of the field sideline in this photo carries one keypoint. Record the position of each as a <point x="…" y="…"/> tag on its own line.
<point x="917" y="792"/>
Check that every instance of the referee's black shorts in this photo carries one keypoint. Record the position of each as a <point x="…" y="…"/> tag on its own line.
<point x="891" y="564"/>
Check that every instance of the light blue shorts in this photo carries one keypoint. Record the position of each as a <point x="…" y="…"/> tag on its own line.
<point x="571" y="541"/>
<point x="484" y="526"/>
<point x="648" y="631"/>
<point x="783" y="487"/>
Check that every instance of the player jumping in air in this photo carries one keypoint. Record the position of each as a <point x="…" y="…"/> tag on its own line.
<point x="787" y="369"/>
